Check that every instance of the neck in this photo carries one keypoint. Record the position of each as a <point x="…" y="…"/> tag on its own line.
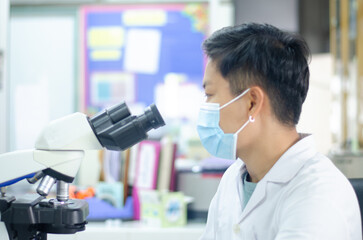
<point x="267" y="150"/>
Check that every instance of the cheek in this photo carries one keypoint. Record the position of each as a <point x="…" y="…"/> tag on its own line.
<point x="231" y="119"/>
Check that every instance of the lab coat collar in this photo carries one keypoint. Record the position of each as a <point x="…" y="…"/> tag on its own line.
<point x="292" y="160"/>
<point x="283" y="171"/>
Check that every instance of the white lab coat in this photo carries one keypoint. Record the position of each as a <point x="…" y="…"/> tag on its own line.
<point x="303" y="196"/>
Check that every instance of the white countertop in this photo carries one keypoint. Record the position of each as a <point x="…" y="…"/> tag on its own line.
<point x="115" y="230"/>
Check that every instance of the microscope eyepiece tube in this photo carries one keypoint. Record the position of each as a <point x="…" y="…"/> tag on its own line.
<point x="116" y="129"/>
<point x="45" y="185"/>
<point x="151" y="118"/>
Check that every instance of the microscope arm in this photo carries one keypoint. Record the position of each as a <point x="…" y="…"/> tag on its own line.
<point x="17" y="165"/>
<point x="58" y="151"/>
<point x="20" y="164"/>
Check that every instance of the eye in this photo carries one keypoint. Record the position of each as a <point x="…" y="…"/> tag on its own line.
<point x="207" y="97"/>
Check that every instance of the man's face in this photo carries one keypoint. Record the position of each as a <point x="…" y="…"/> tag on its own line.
<point x="217" y="90"/>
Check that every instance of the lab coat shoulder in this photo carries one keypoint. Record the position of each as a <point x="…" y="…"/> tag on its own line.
<point x="318" y="187"/>
<point x="303" y="196"/>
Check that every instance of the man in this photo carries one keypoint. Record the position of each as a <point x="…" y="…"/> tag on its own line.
<point x="280" y="187"/>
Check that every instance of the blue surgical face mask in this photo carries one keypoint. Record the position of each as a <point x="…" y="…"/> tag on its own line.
<point x="214" y="140"/>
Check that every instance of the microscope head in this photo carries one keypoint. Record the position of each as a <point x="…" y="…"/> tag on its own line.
<point x="113" y="128"/>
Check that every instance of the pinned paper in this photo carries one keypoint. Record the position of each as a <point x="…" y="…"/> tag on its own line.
<point x="177" y="98"/>
<point x="144" y="17"/>
<point x="142" y="51"/>
<point x="106" y="55"/>
<point x="112" y="87"/>
<point x="106" y="37"/>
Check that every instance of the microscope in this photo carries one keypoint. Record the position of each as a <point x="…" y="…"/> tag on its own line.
<point x="55" y="160"/>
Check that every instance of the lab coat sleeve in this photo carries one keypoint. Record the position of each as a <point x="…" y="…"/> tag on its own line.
<point x="311" y="218"/>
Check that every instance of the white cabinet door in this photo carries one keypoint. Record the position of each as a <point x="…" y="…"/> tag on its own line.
<point x="4" y="21"/>
<point x="41" y="74"/>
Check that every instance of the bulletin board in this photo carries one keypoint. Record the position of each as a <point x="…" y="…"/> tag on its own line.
<point x="129" y="49"/>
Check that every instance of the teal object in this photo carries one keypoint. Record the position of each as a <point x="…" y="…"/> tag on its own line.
<point x="248" y="189"/>
<point x="111" y="192"/>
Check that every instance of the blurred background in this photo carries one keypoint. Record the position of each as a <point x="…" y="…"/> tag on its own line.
<point x="60" y="57"/>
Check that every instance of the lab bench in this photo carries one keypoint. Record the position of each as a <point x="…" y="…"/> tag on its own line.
<point x="133" y="231"/>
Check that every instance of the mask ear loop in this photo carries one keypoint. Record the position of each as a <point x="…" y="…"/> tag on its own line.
<point x="250" y="119"/>
<point x="235" y="99"/>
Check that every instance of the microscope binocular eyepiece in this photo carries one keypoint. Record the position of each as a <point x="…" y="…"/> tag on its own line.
<point x="116" y="129"/>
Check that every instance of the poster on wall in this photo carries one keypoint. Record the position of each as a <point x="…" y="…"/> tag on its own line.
<point x="129" y="49"/>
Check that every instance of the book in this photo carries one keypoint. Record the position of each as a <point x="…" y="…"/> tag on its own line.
<point x="147" y="166"/>
<point x="166" y="176"/>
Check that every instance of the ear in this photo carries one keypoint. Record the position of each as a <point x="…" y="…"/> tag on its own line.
<point x="256" y="101"/>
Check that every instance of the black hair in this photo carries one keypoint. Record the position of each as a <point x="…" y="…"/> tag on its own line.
<point x="262" y="55"/>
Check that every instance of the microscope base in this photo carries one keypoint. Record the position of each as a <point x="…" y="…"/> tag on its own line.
<point x="32" y="217"/>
